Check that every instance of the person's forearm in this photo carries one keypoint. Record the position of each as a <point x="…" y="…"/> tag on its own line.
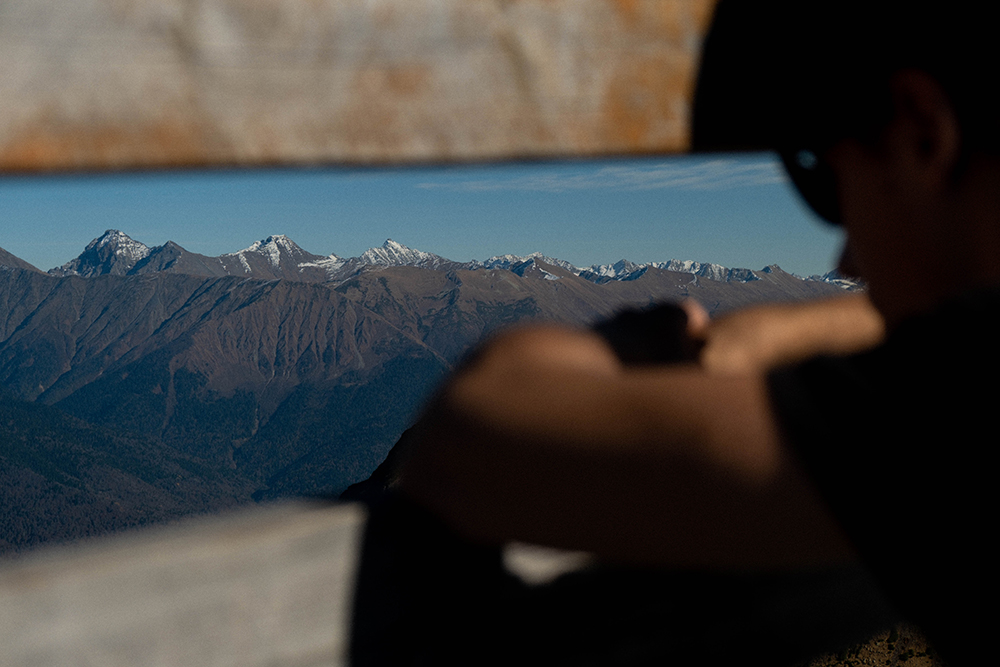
<point x="638" y="466"/>
<point x="759" y="338"/>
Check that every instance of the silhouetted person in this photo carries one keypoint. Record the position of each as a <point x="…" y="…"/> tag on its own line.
<point x="791" y="445"/>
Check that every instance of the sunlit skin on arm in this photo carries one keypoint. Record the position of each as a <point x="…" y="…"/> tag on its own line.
<point x="546" y="438"/>
<point x="764" y="337"/>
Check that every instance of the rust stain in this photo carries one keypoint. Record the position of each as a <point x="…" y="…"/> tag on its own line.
<point x="406" y="80"/>
<point x="45" y="146"/>
<point x="374" y="121"/>
<point x="642" y="109"/>
<point x="630" y="8"/>
<point x="673" y="21"/>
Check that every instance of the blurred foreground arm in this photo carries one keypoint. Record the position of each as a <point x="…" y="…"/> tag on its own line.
<point x="760" y="338"/>
<point x="547" y="438"/>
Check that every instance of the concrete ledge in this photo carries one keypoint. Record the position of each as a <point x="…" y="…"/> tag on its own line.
<point x="275" y="586"/>
<point x="263" y="587"/>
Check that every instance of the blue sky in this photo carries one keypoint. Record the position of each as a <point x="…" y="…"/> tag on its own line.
<point x="735" y="210"/>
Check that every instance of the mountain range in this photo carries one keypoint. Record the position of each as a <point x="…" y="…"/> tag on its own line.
<point x="278" y="257"/>
<point x="267" y="372"/>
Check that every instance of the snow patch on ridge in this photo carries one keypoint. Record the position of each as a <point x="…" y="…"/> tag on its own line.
<point x="111" y="252"/>
<point x="270" y="248"/>
<point x="329" y="264"/>
<point x="508" y="261"/>
<point x="624" y="269"/>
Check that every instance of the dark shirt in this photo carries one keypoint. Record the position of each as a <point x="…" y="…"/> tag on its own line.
<point x="899" y="441"/>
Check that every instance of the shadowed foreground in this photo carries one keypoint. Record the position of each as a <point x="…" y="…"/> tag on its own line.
<point x="264" y="587"/>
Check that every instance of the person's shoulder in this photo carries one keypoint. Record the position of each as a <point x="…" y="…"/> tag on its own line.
<point x="967" y="310"/>
<point x="957" y="338"/>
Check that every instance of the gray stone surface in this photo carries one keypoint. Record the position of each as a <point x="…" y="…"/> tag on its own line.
<point x="263" y="587"/>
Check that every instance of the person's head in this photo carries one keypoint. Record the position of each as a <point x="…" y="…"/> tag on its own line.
<point x="881" y="110"/>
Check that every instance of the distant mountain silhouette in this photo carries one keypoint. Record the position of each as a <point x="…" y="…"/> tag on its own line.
<point x="278" y="257"/>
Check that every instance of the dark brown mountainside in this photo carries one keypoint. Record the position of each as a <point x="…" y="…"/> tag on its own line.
<point x="200" y="363"/>
<point x="451" y="310"/>
<point x="272" y="259"/>
<point x="171" y="258"/>
<point x="9" y="261"/>
<point x="290" y="387"/>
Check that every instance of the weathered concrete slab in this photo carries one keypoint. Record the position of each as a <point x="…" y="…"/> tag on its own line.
<point x="124" y="84"/>
<point x="264" y="587"/>
<point x="260" y="587"/>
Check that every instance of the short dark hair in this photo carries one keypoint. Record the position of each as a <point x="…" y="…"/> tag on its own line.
<point x="789" y="73"/>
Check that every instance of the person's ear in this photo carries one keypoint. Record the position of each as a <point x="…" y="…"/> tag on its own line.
<point x="925" y="130"/>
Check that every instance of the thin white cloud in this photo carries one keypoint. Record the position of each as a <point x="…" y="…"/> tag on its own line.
<point x="709" y="174"/>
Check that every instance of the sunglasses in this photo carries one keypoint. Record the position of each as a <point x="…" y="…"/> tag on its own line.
<point x="814" y="179"/>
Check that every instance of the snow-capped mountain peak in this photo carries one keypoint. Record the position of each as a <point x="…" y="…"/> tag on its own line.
<point x="616" y="271"/>
<point x="277" y="256"/>
<point x="272" y="249"/>
<point x="121" y="244"/>
<point x="708" y="270"/>
<point x="392" y="253"/>
<point x="628" y="270"/>
<point x="508" y="261"/>
<point x="113" y="252"/>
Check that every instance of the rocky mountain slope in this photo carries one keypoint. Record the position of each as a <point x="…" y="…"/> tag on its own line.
<point x="281" y="372"/>
<point x="9" y="261"/>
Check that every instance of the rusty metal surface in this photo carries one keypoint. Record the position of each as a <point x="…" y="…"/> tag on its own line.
<point x="124" y="84"/>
